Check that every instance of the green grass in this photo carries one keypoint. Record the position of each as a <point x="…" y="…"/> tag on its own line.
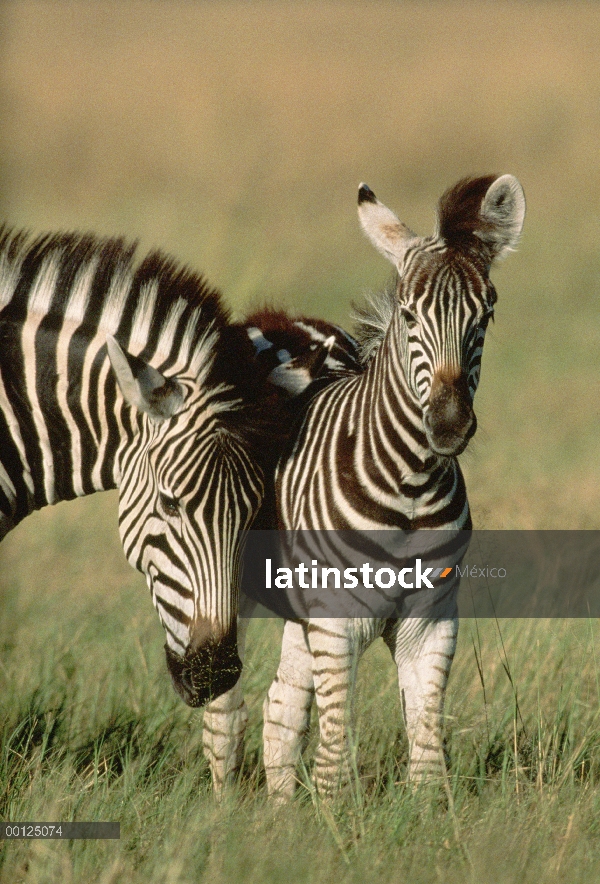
<point x="92" y="731"/>
<point x="234" y="135"/>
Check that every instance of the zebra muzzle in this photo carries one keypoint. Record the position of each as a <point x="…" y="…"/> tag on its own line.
<point x="205" y="673"/>
<point x="449" y="419"/>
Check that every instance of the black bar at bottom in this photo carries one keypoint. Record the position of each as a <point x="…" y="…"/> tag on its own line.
<point x="60" y="831"/>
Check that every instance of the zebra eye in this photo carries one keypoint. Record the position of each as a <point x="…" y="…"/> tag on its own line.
<point x="169" y="505"/>
<point x="409" y="317"/>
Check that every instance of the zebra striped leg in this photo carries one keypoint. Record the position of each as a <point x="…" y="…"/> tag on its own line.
<point x="225" y="721"/>
<point x="335" y="656"/>
<point x="286" y="713"/>
<point x="423" y="650"/>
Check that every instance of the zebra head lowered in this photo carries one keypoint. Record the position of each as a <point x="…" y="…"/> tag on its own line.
<point x="444" y="299"/>
<point x="175" y="416"/>
<point x="200" y="486"/>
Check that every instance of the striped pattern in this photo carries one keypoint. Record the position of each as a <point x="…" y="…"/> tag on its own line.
<point x="378" y="450"/>
<point x="177" y="419"/>
<point x="294" y="354"/>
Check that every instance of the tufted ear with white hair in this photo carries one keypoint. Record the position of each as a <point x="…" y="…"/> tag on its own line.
<point x="387" y="233"/>
<point x="142" y="385"/>
<point x="502" y="213"/>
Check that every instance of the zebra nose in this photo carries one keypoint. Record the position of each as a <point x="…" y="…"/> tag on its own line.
<point x="448" y="419"/>
<point x="202" y="675"/>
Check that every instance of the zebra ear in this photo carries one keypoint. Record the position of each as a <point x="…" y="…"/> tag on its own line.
<point x="387" y="233"/>
<point x="143" y="386"/>
<point x="502" y="212"/>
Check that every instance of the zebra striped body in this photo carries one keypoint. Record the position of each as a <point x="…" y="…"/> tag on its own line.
<point x="377" y="450"/>
<point x="175" y="414"/>
<point x="298" y="356"/>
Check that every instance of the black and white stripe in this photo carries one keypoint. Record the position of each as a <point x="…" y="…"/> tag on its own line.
<point x="298" y="356"/>
<point x="174" y="414"/>
<point x="377" y="450"/>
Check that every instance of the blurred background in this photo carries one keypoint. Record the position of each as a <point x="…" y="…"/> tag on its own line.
<point x="234" y="136"/>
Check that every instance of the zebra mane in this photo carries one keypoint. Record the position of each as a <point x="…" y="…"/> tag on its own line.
<point x="372" y="320"/>
<point x="152" y="306"/>
<point x="159" y="310"/>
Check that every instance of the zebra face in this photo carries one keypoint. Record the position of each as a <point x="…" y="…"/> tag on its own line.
<point x="206" y="492"/>
<point x="188" y="488"/>
<point x="445" y="298"/>
<point x="444" y="304"/>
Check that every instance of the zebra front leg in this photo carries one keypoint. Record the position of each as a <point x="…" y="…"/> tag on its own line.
<point x="286" y="713"/>
<point x="225" y="721"/>
<point x="423" y="650"/>
<point x="335" y="655"/>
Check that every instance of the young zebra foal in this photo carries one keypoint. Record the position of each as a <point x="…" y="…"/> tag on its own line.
<point x="114" y="375"/>
<point x="378" y="450"/>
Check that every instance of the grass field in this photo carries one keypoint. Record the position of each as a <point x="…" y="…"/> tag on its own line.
<point x="234" y="135"/>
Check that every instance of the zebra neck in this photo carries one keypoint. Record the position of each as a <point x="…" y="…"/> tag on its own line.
<point x="61" y="422"/>
<point x="101" y="426"/>
<point x="63" y="426"/>
<point x="393" y="439"/>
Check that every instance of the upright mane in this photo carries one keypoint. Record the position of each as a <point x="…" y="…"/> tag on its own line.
<point x="156" y="304"/>
<point x="158" y="309"/>
<point x="372" y="320"/>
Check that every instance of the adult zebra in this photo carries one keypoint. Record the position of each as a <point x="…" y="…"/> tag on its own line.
<point x="114" y="375"/>
<point x="378" y="450"/>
